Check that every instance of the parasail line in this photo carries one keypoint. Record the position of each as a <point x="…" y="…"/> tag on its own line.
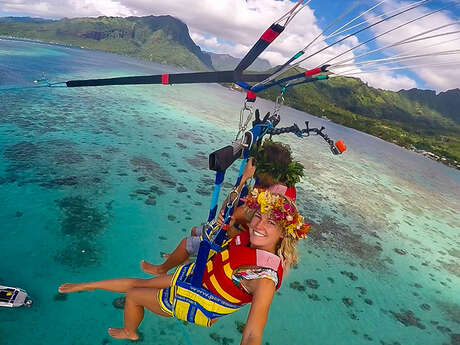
<point x="391" y="30"/>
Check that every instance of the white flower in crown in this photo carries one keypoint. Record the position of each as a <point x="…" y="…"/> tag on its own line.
<point x="255" y="192"/>
<point x="289" y="218"/>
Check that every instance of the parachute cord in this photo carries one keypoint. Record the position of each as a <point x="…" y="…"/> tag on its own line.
<point x="25" y="87"/>
<point x="182" y="328"/>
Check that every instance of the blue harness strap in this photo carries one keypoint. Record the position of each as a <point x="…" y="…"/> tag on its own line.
<point x="206" y="245"/>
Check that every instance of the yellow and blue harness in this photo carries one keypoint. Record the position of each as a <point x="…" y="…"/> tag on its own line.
<point x="189" y="303"/>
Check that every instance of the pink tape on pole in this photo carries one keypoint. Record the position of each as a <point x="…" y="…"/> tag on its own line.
<point x="269" y="35"/>
<point x="165" y="79"/>
<point x="313" y="72"/>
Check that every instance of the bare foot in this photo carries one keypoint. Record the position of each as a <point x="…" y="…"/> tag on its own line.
<point x="152" y="269"/>
<point x="73" y="287"/>
<point x="121" y="333"/>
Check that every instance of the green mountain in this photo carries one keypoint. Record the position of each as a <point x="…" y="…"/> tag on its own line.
<point x="163" y="39"/>
<point x="415" y="119"/>
<point x="225" y="62"/>
<point x="446" y="103"/>
<point x="24" y="20"/>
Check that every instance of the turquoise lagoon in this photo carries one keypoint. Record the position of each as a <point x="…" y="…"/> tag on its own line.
<point x="93" y="180"/>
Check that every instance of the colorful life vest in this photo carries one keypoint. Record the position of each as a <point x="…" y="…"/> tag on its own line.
<point x="220" y="296"/>
<point x="217" y="277"/>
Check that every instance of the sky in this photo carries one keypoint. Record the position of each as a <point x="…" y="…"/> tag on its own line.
<point x="233" y="26"/>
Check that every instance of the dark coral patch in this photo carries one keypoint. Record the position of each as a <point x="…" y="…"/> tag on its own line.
<point x="78" y="254"/>
<point x="350" y="275"/>
<point x="151" y="201"/>
<point x="296" y="285"/>
<point x="142" y="191"/>
<point x="408" y="318"/>
<point x="153" y="169"/>
<point x="314" y="297"/>
<point x="68" y="157"/>
<point x="119" y="302"/>
<point x="312" y="283"/>
<point x="444" y="329"/>
<point x="80" y="219"/>
<point x="400" y="251"/>
<point x="66" y="181"/>
<point x="452" y="310"/>
<point x="362" y="290"/>
<point x="205" y="191"/>
<point x="455" y="339"/>
<point x="199" y="161"/>
<point x="368" y="301"/>
<point x="425" y="306"/>
<point x="157" y="190"/>
<point x="23" y="151"/>
<point x="240" y="326"/>
<point x="343" y="238"/>
<point x="347" y="301"/>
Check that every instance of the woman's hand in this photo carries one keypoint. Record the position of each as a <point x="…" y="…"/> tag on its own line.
<point x="249" y="170"/>
<point x="220" y="218"/>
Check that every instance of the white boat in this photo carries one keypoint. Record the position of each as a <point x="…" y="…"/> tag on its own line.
<point x="11" y="297"/>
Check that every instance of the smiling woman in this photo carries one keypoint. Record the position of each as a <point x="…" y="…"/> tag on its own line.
<point x="248" y="270"/>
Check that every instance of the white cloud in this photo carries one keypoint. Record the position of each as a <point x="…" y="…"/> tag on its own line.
<point x="66" y="8"/>
<point x="435" y="77"/>
<point x="387" y="81"/>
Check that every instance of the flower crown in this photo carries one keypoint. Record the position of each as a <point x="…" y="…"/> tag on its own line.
<point x="281" y="209"/>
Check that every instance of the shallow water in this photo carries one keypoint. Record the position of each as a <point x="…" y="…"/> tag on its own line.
<point x="77" y="167"/>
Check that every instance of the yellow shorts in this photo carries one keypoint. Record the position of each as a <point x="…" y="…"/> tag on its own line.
<point x="188" y="303"/>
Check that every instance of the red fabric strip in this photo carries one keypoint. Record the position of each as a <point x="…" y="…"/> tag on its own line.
<point x="312" y="72"/>
<point x="269" y="35"/>
<point x="165" y="79"/>
<point x="250" y="95"/>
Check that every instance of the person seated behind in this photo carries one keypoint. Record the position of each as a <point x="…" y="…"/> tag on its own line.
<point x="249" y="270"/>
<point x="274" y="168"/>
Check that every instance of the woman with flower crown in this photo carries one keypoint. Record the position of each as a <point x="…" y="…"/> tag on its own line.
<point x="274" y="168"/>
<point x="248" y="270"/>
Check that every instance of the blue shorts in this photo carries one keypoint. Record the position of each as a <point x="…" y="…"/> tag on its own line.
<point x="192" y="243"/>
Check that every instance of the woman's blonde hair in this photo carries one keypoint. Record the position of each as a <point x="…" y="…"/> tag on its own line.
<point x="287" y="251"/>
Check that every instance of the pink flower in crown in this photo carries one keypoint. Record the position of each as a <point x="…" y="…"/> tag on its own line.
<point x="288" y="207"/>
<point x="278" y="215"/>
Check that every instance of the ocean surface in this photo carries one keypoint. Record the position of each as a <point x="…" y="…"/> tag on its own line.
<point x="93" y="180"/>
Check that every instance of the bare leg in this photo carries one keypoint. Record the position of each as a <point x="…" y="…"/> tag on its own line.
<point x="177" y="257"/>
<point x="136" y="300"/>
<point x="118" y="285"/>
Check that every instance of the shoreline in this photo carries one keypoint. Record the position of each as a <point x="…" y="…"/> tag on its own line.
<point x="233" y="87"/>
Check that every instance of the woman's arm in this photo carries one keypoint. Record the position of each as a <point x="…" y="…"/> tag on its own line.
<point x="262" y="291"/>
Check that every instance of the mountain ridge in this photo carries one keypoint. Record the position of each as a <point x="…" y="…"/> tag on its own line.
<point x="416" y="119"/>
